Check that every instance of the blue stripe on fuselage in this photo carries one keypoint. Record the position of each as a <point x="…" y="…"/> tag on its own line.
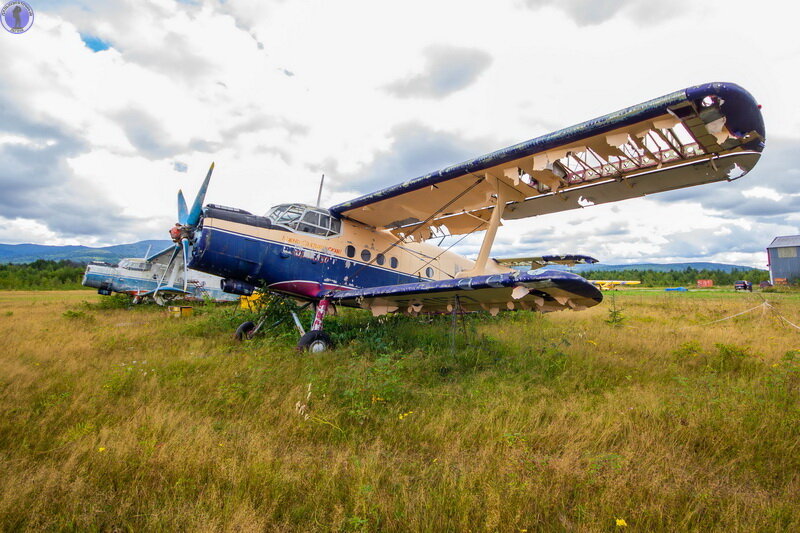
<point x="119" y="283"/>
<point x="253" y="259"/>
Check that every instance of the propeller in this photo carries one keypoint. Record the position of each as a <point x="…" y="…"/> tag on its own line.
<point x="183" y="211"/>
<point x="197" y="206"/>
<point x="183" y="232"/>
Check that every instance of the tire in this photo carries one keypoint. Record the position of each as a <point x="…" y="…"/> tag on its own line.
<point x="315" y="342"/>
<point x="244" y="331"/>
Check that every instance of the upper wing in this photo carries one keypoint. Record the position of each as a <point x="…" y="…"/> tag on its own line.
<point x="698" y="135"/>
<point x="541" y="291"/>
<point x="162" y="253"/>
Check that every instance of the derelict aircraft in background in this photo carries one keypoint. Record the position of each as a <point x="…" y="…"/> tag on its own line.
<point x="159" y="276"/>
<point x="610" y="284"/>
<point x="143" y="278"/>
<point x="371" y="252"/>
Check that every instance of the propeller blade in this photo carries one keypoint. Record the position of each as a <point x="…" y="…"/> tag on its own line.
<point x="197" y="206"/>
<point x="183" y="211"/>
<point x="164" y="275"/>
<point x="185" y="244"/>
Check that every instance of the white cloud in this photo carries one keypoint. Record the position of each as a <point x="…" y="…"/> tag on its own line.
<point x="190" y="84"/>
<point x="763" y="192"/>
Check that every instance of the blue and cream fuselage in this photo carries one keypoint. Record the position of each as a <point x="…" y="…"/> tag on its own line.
<point x="303" y="260"/>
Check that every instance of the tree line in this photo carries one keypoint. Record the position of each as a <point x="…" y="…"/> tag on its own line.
<point x="680" y="278"/>
<point x="41" y="274"/>
<point x="65" y="274"/>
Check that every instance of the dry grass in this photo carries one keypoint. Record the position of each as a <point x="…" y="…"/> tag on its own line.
<point x="115" y="419"/>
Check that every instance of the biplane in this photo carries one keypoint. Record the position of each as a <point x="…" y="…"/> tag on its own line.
<point x="609" y="284"/>
<point x="154" y="278"/>
<point x="372" y="252"/>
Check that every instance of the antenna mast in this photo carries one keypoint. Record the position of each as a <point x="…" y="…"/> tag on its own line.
<point x="319" y="195"/>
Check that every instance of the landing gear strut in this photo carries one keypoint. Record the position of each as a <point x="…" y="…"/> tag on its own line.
<point x="316" y="340"/>
<point x="247" y="330"/>
<point x="313" y="341"/>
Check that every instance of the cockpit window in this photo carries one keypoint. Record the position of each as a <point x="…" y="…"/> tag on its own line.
<point x="132" y="264"/>
<point x="290" y="215"/>
<point x="276" y="212"/>
<point x="306" y="219"/>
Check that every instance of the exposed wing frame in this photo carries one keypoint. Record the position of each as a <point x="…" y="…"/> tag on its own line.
<point x="693" y="125"/>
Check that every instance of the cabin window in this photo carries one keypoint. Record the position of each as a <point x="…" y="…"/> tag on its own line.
<point x="429" y="272"/>
<point x="393" y="262"/>
<point x="787" y="252"/>
<point x="380" y="259"/>
<point x="365" y="255"/>
<point x="350" y="250"/>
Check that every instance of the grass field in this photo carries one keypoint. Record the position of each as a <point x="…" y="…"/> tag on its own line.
<point x="119" y="419"/>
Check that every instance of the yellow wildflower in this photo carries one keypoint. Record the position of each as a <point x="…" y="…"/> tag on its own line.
<point x="101" y="449"/>
<point x="621" y="522"/>
<point x="592" y="342"/>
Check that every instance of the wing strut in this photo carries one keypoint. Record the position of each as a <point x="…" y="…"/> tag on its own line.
<point x="422" y="224"/>
<point x="488" y="239"/>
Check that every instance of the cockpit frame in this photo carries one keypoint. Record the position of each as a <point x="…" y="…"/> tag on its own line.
<point x="303" y="218"/>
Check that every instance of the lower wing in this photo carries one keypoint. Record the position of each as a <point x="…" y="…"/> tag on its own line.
<point x="544" y="260"/>
<point x="545" y="291"/>
<point x="167" y="289"/>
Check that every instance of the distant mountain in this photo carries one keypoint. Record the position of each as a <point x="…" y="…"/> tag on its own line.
<point x="661" y="267"/>
<point x="26" y="253"/>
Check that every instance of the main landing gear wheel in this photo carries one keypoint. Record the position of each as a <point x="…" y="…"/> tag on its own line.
<point x="315" y="341"/>
<point x="245" y="331"/>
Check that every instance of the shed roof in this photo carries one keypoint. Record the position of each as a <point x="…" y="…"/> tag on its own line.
<point x="788" y="240"/>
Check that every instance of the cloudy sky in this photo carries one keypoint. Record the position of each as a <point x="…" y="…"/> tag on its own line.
<point x="108" y="108"/>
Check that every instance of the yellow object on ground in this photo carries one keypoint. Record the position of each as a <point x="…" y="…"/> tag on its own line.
<point x="178" y="311"/>
<point x="250" y="303"/>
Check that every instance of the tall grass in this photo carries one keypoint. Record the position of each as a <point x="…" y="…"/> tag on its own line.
<point x="122" y="419"/>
